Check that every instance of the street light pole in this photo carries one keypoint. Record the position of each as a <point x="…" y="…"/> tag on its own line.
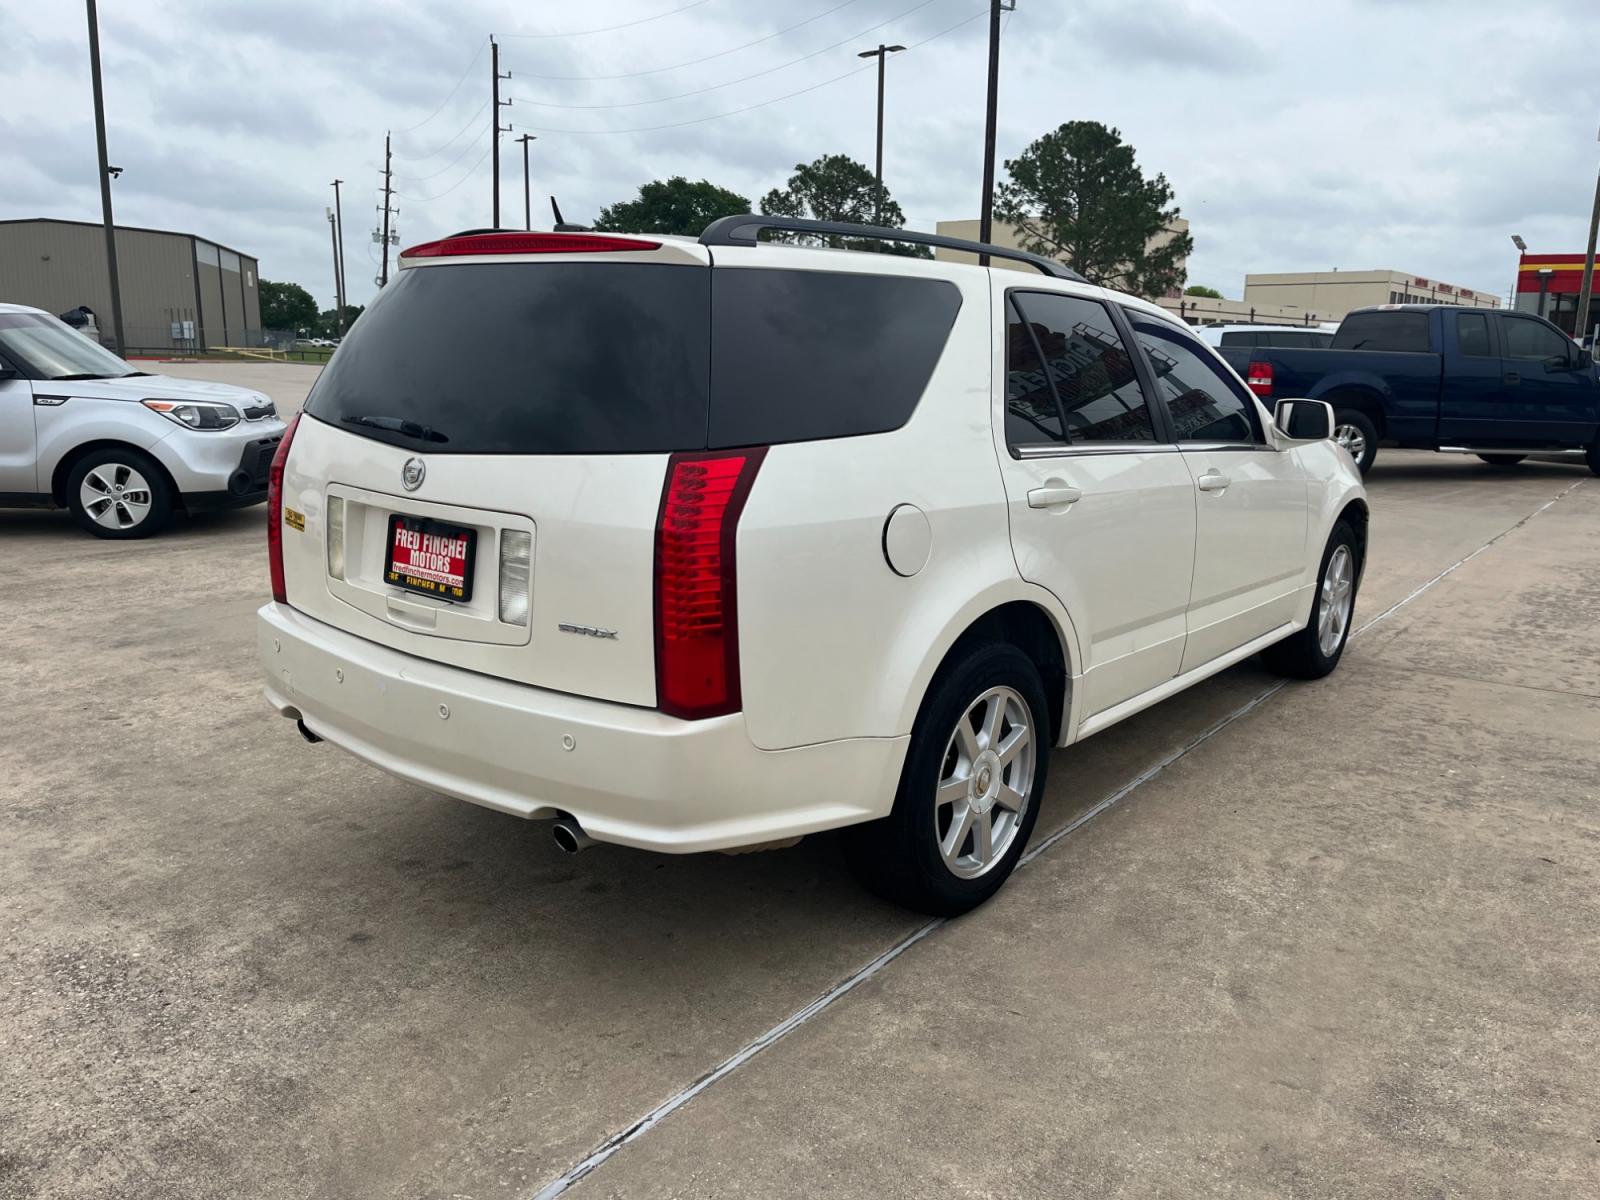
<point x="1580" y="325"/>
<point x="105" y="178"/>
<point x="338" y="250"/>
<point x="527" y="195"/>
<point x="1522" y="253"/>
<point x="881" y="54"/>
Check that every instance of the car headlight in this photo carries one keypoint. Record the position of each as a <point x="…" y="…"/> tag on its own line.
<point x="196" y="414"/>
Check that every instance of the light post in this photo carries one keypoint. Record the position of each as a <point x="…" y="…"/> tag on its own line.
<point x="881" y="54"/>
<point x="527" y="195"/>
<point x="1522" y="250"/>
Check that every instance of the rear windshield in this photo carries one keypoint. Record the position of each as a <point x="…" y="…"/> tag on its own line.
<point x="617" y="358"/>
<point x="507" y="358"/>
<point x="1383" y="331"/>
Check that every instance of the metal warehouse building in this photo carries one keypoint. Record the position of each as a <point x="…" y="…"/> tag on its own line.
<point x="167" y="279"/>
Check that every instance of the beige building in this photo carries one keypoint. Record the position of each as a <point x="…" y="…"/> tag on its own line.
<point x="1002" y="234"/>
<point x="1328" y="295"/>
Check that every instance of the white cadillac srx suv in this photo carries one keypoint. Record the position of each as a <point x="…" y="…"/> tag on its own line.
<point x="706" y="545"/>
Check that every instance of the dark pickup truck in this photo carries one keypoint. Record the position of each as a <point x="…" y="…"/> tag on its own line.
<point x="1441" y="377"/>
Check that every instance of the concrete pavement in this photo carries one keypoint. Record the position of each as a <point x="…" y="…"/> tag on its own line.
<point x="233" y="964"/>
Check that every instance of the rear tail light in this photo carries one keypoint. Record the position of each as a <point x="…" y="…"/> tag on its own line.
<point x="275" y="512"/>
<point x="516" y="560"/>
<point x="527" y="243"/>
<point x="1258" y="378"/>
<point x="336" y="537"/>
<point x="697" y="612"/>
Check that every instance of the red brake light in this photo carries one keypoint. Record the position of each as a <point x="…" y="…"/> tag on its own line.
<point x="1258" y="378"/>
<point x="526" y="243"/>
<point x="280" y="591"/>
<point x="697" y="615"/>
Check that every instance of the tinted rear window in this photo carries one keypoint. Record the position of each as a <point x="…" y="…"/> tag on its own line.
<point x="799" y="355"/>
<point x="1383" y="331"/>
<point x="617" y="358"/>
<point x="517" y="358"/>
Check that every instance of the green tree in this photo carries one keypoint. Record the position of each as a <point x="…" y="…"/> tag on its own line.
<point x="838" y="188"/>
<point x="286" y="306"/>
<point x="1200" y="289"/>
<point x="328" y="323"/>
<point x="673" y="206"/>
<point x="1077" y="194"/>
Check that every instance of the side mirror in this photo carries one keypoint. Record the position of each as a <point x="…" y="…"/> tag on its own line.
<point x="1585" y="360"/>
<point x="8" y="373"/>
<point x="1304" y="420"/>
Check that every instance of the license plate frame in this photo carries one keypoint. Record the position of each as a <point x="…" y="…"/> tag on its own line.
<point x="421" y="584"/>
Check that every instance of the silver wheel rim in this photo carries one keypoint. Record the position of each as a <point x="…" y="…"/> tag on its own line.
<point x="1352" y="439"/>
<point x="116" y="496"/>
<point x="1333" y="607"/>
<point x="985" y="784"/>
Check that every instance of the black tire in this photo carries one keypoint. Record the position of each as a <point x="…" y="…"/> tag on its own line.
<point x="1502" y="460"/>
<point x="1359" y="420"/>
<point x="1301" y="656"/>
<point x="121" y="467"/>
<point x="899" y="856"/>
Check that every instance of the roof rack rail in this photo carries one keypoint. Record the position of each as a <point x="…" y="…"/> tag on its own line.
<point x="742" y="231"/>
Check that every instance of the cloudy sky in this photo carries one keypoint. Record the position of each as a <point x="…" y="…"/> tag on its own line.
<point x="1413" y="134"/>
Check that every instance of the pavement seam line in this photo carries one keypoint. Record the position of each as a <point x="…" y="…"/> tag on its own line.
<point x="799" y="1017"/>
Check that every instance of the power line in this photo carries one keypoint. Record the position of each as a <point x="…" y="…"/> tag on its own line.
<point x="743" y="79"/>
<point x="466" y="149"/>
<point x="471" y="121"/>
<point x="759" y="104"/>
<point x="452" y="92"/>
<point x="429" y="199"/>
<point x="612" y="28"/>
<point x="693" y="61"/>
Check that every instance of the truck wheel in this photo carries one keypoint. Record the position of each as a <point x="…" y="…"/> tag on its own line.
<point x="119" y="493"/>
<point x="1315" y="651"/>
<point x="1355" y="431"/>
<point x="1502" y="460"/>
<point x="1594" y="456"/>
<point x="969" y="790"/>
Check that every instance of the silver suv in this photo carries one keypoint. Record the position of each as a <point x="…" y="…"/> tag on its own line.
<point x="123" y="449"/>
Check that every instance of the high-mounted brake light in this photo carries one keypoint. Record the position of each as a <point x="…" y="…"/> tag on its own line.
<point x="526" y="243"/>
<point x="1258" y="378"/>
<point x="697" y="611"/>
<point x="280" y="591"/>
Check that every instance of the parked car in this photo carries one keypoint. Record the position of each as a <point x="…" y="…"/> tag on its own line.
<point x="121" y="448"/>
<point x="708" y="545"/>
<point x="1317" y="337"/>
<point x="1500" y="385"/>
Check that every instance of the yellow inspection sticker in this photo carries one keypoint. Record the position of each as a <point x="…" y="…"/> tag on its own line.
<point x="294" y="520"/>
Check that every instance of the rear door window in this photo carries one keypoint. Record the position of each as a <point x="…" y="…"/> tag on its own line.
<point x="1472" y="332"/>
<point x="1085" y="360"/>
<point x="519" y="358"/>
<point x="1384" y="331"/>
<point x="799" y="355"/>
<point x="1032" y="417"/>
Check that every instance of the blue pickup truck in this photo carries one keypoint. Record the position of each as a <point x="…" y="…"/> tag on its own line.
<point x="1499" y="385"/>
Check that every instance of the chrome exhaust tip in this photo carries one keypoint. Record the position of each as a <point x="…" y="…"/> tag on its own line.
<point x="569" y="836"/>
<point x="306" y="733"/>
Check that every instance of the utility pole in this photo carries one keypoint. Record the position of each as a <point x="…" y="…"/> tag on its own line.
<point x="881" y="53"/>
<point x="986" y="214"/>
<point x="388" y="192"/>
<point x="105" y="178"/>
<point x="527" y="195"/>
<point x="495" y="129"/>
<point x="1580" y="324"/>
<point x="338" y="250"/>
<point x="338" y="299"/>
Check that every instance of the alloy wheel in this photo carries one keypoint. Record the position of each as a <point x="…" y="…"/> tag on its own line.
<point x="116" y="496"/>
<point x="1352" y="439"/>
<point x="1336" y="601"/>
<point x="986" y="782"/>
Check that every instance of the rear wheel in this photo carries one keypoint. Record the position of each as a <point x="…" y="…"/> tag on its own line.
<point x="1315" y="651"/>
<point x="1502" y="460"/>
<point x="119" y="493"/>
<point x="1355" y="431"/>
<point x="969" y="791"/>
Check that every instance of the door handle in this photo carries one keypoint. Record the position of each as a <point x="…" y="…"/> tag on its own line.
<point x="1213" y="481"/>
<point x="1513" y="377"/>
<point x="1054" y="495"/>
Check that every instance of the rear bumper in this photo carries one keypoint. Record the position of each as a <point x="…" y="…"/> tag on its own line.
<point x="629" y="775"/>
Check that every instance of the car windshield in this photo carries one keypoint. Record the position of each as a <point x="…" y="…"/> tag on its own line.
<point x="51" y="349"/>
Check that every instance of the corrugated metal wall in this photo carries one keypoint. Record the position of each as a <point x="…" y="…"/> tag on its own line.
<point x="58" y="265"/>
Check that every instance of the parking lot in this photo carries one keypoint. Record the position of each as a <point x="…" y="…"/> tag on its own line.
<point x="1330" y="939"/>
